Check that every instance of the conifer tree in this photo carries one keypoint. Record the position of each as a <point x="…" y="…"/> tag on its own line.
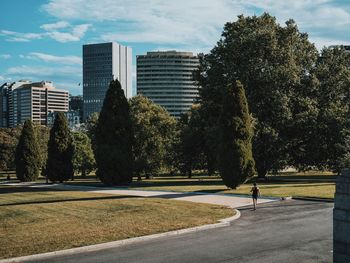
<point x="114" y="138"/>
<point x="27" y="157"/>
<point x="235" y="159"/>
<point x="59" y="166"/>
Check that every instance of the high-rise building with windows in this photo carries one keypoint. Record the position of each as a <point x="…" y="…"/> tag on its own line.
<point x="102" y="63"/>
<point x="25" y="100"/>
<point x="166" y="78"/>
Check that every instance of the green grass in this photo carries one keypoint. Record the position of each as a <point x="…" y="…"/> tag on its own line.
<point x="35" y="220"/>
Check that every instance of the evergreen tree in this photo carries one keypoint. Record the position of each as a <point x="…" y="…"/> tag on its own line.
<point x="114" y="138"/>
<point x="59" y="166"/>
<point x="235" y="158"/>
<point x="27" y="157"/>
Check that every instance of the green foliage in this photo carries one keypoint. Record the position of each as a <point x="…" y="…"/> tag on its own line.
<point x="59" y="166"/>
<point x="189" y="149"/>
<point x="272" y="63"/>
<point x="114" y="139"/>
<point x="331" y="132"/>
<point x="83" y="158"/>
<point x="42" y="133"/>
<point x="153" y="130"/>
<point x="236" y="163"/>
<point x="27" y="157"/>
<point x="90" y="125"/>
<point x="8" y="142"/>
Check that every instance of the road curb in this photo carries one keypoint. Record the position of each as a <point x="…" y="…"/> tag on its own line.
<point x="327" y="200"/>
<point x="66" y="252"/>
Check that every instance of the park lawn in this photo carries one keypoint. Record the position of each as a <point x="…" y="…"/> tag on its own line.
<point x="37" y="220"/>
<point x="311" y="184"/>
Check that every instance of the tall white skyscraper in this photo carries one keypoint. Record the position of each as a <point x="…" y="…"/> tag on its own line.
<point x="102" y="63"/>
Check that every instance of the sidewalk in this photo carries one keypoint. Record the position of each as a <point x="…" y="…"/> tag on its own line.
<point x="233" y="201"/>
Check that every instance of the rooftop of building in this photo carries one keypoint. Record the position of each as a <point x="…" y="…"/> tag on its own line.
<point x="168" y="53"/>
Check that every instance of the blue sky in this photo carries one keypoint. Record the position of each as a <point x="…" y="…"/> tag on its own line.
<point x="42" y="39"/>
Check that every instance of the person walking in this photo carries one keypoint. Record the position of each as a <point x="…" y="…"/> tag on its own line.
<point x="255" y="193"/>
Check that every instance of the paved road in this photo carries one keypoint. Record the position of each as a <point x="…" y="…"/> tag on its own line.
<point x="282" y="232"/>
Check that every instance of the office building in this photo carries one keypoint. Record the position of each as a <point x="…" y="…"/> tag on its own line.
<point x="166" y="78"/>
<point x="26" y="100"/>
<point x="102" y="63"/>
<point x="73" y="119"/>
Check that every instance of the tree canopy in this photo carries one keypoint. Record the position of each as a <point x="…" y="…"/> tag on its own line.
<point x="153" y="130"/>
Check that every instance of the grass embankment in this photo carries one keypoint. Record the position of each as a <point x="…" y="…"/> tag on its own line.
<point x="35" y="220"/>
<point x="310" y="184"/>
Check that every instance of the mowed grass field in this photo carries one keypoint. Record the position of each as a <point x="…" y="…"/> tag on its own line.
<point x="310" y="184"/>
<point x="37" y="220"/>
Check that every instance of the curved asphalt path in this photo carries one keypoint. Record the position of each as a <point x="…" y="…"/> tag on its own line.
<point x="282" y="232"/>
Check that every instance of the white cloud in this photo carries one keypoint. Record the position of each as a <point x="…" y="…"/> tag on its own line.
<point x="20" y="37"/>
<point x="5" y="56"/>
<point x="64" y="77"/>
<point x="52" y="58"/>
<point x="70" y="33"/>
<point x="77" y="32"/>
<point x="198" y="23"/>
<point x="55" y="26"/>
<point x="152" y="21"/>
<point x="43" y="71"/>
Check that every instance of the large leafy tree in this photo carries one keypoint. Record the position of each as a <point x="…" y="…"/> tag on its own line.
<point x="235" y="158"/>
<point x="114" y="138"/>
<point x="27" y="159"/>
<point x="153" y="130"/>
<point x="329" y="137"/>
<point x="189" y="148"/>
<point x="271" y="61"/>
<point x="83" y="158"/>
<point x="59" y="166"/>
<point x="8" y="142"/>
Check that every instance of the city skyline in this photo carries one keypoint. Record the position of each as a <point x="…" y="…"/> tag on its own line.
<point x="42" y="40"/>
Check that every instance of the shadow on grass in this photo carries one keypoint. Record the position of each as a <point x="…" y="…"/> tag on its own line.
<point x="5" y="189"/>
<point x="71" y="200"/>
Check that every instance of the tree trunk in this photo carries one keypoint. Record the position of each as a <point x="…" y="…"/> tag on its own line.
<point x="262" y="172"/>
<point x="189" y="173"/>
<point x="139" y="177"/>
<point x="147" y="176"/>
<point x="83" y="172"/>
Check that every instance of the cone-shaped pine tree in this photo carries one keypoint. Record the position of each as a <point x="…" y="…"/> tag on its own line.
<point x="59" y="166"/>
<point x="113" y="138"/>
<point x="27" y="156"/>
<point x="236" y="163"/>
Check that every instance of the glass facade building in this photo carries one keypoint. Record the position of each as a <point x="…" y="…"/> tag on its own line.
<point x="102" y="63"/>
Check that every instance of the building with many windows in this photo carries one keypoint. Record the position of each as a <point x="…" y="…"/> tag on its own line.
<point x="102" y="63"/>
<point x="25" y="100"/>
<point x="166" y="78"/>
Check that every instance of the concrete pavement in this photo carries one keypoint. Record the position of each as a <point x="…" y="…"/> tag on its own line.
<point x="233" y="201"/>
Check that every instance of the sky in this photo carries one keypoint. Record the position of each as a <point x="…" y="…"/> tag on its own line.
<point x="42" y="39"/>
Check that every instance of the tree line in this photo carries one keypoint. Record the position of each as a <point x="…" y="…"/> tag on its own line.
<point x="268" y="100"/>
